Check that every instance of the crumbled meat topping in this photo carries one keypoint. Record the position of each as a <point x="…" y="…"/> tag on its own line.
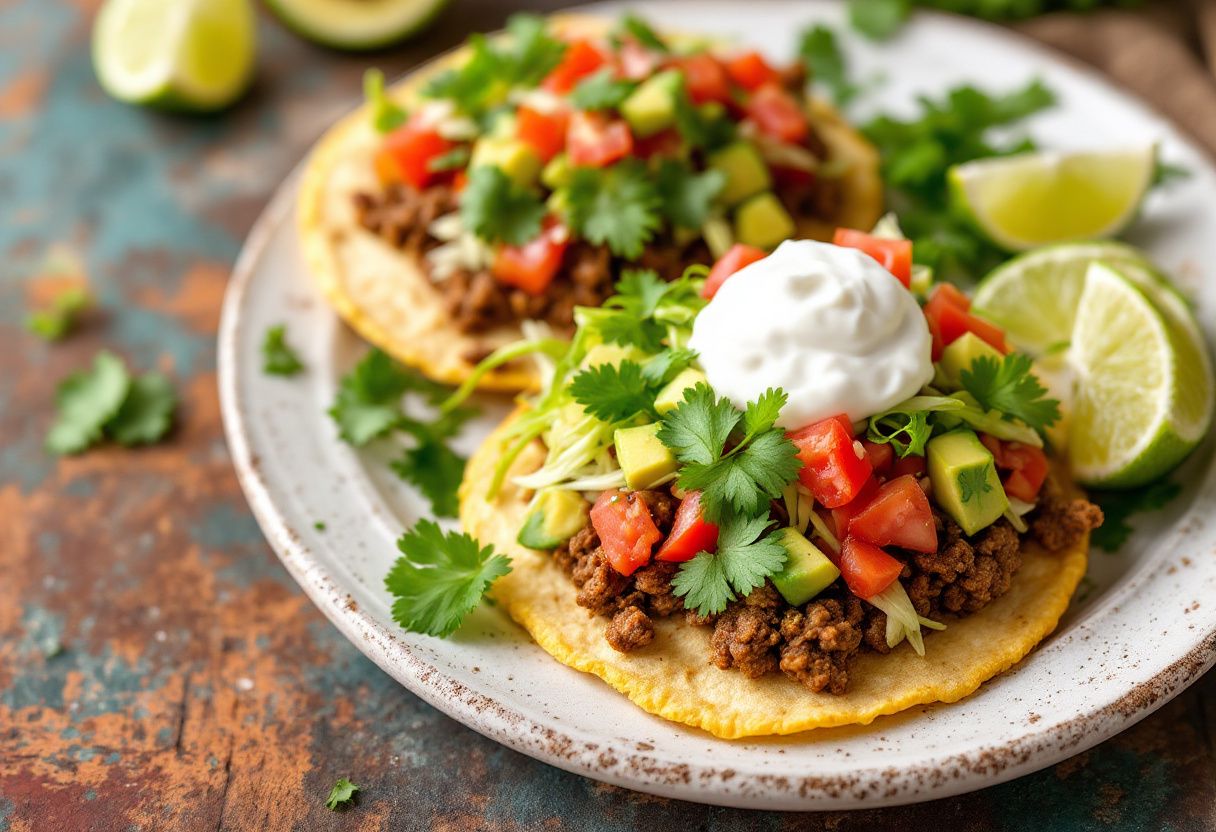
<point x="818" y="643"/>
<point x="746" y="633"/>
<point x="629" y="629"/>
<point x="1062" y="522"/>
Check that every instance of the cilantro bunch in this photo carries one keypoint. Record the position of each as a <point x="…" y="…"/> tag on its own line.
<point x="107" y="402"/>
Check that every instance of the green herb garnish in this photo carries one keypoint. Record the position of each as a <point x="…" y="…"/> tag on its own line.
<point x="386" y="115"/>
<point x="601" y="90"/>
<point x="618" y="206"/>
<point x="744" y="559"/>
<point x="341" y="794"/>
<point x="1010" y="387"/>
<point x="55" y="322"/>
<point x="105" y="401"/>
<point x="688" y="196"/>
<point x="498" y="210"/>
<point x="278" y="358"/>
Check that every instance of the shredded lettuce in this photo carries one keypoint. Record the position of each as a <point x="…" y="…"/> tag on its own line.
<point x="902" y="619"/>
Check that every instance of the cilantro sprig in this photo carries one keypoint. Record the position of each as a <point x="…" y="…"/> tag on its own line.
<point x="278" y="357"/>
<point x="688" y="196"/>
<point x="614" y="393"/>
<point x="618" y="206"/>
<point x="105" y="401"/>
<point x="440" y="578"/>
<point x="601" y="90"/>
<point x="497" y="209"/>
<point x="342" y="794"/>
<point x="1011" y="388"/>
<point x="743" y="561"/>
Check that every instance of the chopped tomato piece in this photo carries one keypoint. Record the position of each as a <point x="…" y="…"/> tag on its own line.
<point x="894" y="255"/>
<point x="954" y="295"/>
<point x="831" y="468"/>
<point x="880" y="455"/>
<point x="899" y="515"/>
<point x="580" y="59"/>
<point x="844" y="514"/>
<point x="778" y="114"/>
<point x="626" y="530"/>
<point x="545" y="132"/>
<point x="948" y="321"/>
<point x="690" y="532"/>
<point x="705" y="78"/>
<point x="532" y="266"/>
<point x="1026" y="464"/>
<point x="911" y="464"/>
<point x="736" y="257"/>
<point x="866" y="569"/>
<point x="751" y="71"/>
<point x="843" y="419"/>
<point x="409" y="150"/>
<point x="594" y="140"/>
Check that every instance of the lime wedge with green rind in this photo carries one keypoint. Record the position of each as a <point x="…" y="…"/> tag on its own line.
<point x="1032" y="199"/>
<point x="192" y="55"/>
<point x="356" y="25"/>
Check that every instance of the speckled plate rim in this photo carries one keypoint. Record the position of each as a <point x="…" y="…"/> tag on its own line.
<point x="643" y="770"/>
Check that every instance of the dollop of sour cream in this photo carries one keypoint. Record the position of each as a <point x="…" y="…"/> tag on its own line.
<point x="828" y="325"/>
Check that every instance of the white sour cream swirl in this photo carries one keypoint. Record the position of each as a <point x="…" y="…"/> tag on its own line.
<point x="828" y="325"/>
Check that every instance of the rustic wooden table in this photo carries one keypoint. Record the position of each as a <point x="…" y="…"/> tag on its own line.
<point x="158" y="668"/>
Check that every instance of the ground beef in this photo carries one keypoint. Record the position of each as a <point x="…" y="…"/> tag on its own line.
<point x="818" y="642"/>
<point x="603" y="589"/>
<point x="963" y="575"/>
<point x="629" y="629"/>
<point x="1061" y="522"/>
<point x="747" y="633"/>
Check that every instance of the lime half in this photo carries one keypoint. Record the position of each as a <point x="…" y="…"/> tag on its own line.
<point x="194" y="55"/>
<point x="1032" y="199"/>
<point x="1135" y="414"/>
<point x="356" y="24"/>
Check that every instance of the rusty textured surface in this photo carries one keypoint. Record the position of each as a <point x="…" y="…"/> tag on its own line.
<point x="158" y="669"/>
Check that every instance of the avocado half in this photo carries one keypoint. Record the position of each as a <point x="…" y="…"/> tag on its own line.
<point x="356" y="25"/>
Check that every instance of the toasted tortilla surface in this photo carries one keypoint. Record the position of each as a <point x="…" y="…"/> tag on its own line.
<point x="673" y="677"/>
<point x="385" y="294"/>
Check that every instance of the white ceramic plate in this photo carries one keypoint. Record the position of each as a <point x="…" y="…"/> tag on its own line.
<point x="1143" y="627"/>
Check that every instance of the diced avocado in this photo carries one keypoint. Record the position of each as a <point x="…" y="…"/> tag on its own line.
<point x="612" y="354"/>
<point x="557" y="516"/>
<point x="644" y="459"/>
<point x="673" y="392"/>
<point x="965" y="482"/>
<point x="651" y="107"/>
<point x="763" y="222"/>
<point x="959" y="355"/>
<point x="807" y="571"/>
<point x="744" y="169"/>
<point x="556" y="173"/>
<point x="513" y="157"/>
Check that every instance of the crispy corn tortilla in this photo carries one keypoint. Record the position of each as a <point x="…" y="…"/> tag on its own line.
<point x="384" y="293"/>
<point x="673" y="677"/>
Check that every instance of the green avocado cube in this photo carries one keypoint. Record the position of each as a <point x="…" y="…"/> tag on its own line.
<point x="556" y="173"/>
<point x="959" y="355"/>
<point x="517" y="159"/>
<point x="612" y="354"/>
<point x="673" y="392"/>
<point x="745" y="171"/>
<point x="763" y="222"/>
<point x="557" y="516"/>
<point x="964" y="478"/>
<point x="651" y="108"/>
<point x="807" y="571"/>
<point x="644" y="459"/>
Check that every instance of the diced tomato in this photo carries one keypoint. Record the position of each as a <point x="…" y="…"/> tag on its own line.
<point x="460" y="180"/>
<point x="778" y="114"/>
<point x="954" y="295"/>
<point x="736" y="257"/>
<point x="894" y="255"/>
<point x="664" y="143"/>
<point x="580" y="59"/>
<point x="899" y="515"/>
<point x="409" y="151"/>
<point x="626" y="530"/>
<point x="1026" y="464"/>
<point x="635" y="62"/>
<point x="690" y="532"/>
<point x="705" y="78"/>
<point x="751" y="71"/>
<point x="866" y="569"/>
<point x="831" y="467"/>
<point x="594" y="140"/>
<point x="844" y="514"/>
<point x="995" y="448"/>
<point x="880" y="455"/>
<point x="911" y="464"/>
<point x="843" y="419"/>
<point x="532" y="266"/>
<point x="545" y="132"/>
<point x="949" y="321"/>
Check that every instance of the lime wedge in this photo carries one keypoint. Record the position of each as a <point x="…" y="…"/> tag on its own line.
<point x="194" y="55"/>
<point x="356" y="24"/>
<point x="1032" y="199"/>
<point x="1133" y="417"/>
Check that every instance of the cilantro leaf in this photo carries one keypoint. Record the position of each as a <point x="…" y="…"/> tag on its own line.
<point x="1166" y="174"/>
<point x="707" y="127"/>
<point x="703" y="585"/>
<point x="146" y="413"/>
<point x="57" y="320"/>
<point x="613" y="393"/>
<point x="532" y="52"/>
<point x="878" y="19"/>
<point x="86" y="401"/>
<point x="454" y="159"/>
<point x="618" y="206"/>
<point x="1009" y="387"/>
<point x="639" y="291"/>
<point x="601" y="90"/>
<point x="668" y="364"/>
<point x="708" y="582"/>
<point x="496" y="209"/>
<point x="440" y="578"/>
<point x="1119" y="506"/>
<point x="825" y="63"/>
<point x="641" y="31"/>
<point x="763" y="413"/>
<point x="278" y="358"/>
<point x="622" y="327"/>
<point x="688" y="196"/>
<point x="436" y="470"/>
<point x="341" y="794"/>
<point x="368" y="404"/>
<point x="907" y="432"/>
<point x="470" y="86"/>
<point x="386" y="115"/>
<point x="697" y="430"/>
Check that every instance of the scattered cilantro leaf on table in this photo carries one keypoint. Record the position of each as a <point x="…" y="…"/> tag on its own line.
<point x="341" y="794"/>
<point x="368" y="404"/>
<point x="57" y="320"/>
<point x="278" y="358"/>
<point x="1119" y="506"/>
<point x="386" y="115"/>
<point x="614" y="393"/>
<point x="146" y="413"/>
<point x="498" y="210"/>
<point x="1010" y="387"/>
<point x="436" y="470"/>
<point x="878" y="19"/>
<point x="688" y="196"/>
<point x="618" y="206"/>
<point x="86" y="401"/>
<point x="708" y="582"/>
<point x="601" y="90"/>
<point x="440" y="578"/>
